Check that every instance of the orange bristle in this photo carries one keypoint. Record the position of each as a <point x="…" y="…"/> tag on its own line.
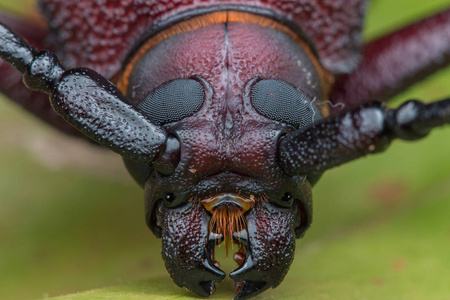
<point x="226" y="220"/>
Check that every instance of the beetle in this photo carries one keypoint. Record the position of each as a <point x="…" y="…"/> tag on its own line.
<point x="290" y="171"/>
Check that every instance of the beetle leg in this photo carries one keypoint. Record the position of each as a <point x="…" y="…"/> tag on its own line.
<point x="86" y="100"/>
<point x="396" y="61"/>
<point x="367" y="129"/>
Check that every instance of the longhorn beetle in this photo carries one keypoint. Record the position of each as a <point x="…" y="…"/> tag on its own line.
<point x="226" y="112"/>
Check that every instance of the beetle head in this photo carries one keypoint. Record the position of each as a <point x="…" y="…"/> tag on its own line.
<point x="219" y="179"/>
<point x="227" y="187"/>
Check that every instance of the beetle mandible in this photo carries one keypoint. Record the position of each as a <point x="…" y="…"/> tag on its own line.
<point x="227" y="112"/>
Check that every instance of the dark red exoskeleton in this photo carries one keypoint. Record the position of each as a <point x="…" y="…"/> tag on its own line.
<point x="226" y="112"/>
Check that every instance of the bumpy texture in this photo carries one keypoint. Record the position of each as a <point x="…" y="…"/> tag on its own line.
<point x="11" y="81"/>
<point x="367" y="129"/>
<point x="273" y="240"/>
<point x="230" y="146"/>
<point x="98" y="34"/>
<point x="394" y="62"/>
<point x="270" y="249"/>
<point x="96" y="108"/>
<point x="185" y="251"/>
<point x="183" y="245"/>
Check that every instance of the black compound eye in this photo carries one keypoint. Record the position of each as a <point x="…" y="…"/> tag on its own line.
<point x="173" y="101"/>
<point x="280" y="101"/>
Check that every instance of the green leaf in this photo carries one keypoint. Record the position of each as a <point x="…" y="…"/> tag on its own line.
<point x="71" y="219"/>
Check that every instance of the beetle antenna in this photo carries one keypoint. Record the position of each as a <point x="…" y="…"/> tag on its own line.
<point x="87" y="100"/>
<point x="348" y="136"/>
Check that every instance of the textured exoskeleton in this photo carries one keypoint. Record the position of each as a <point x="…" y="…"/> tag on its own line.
<point x="226" y="112"/>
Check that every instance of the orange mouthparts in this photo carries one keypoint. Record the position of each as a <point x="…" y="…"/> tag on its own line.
<point x="227" y="211"/>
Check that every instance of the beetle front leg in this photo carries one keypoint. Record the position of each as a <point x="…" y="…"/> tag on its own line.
<point x="85" y="99"/>
<point x="367" y="129"/>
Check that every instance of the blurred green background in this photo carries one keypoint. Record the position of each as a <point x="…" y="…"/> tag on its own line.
<point x="71" y="220"/>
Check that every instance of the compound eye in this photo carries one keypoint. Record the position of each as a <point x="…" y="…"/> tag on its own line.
<point x="280" y="101"/>
<point x="173" y="101"/>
